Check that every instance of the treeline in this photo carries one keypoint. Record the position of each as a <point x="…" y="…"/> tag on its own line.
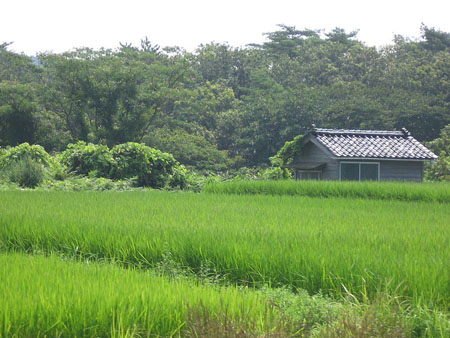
<point x="221" y="107"/>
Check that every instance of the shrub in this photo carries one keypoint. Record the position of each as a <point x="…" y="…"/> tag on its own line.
<point x="276" y="173"/>
<point x="440" y="169"/>
<point x="26" y="172"/>
<point x="87" y="159"/>
<point x="152" y="167"/>
<point x="35" y="153"/>
<point x="179" y="177"/>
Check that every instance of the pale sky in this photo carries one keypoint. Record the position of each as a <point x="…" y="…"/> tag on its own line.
<point x="60" y="25"/>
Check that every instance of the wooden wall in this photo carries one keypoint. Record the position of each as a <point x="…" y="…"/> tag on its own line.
<point x="312" y="153"/>
<point x="401" y="171"/>
<point x="396" y="170"/>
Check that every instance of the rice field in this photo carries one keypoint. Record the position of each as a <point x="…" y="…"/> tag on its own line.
<point x="335" y="245"/>
<point x="402" y="191"/>
<point x="48" y="297"/>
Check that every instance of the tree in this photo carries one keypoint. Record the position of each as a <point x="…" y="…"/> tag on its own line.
<point x="286" y="41"/>
<point x="17" y="67"/>
<point x="111" y="97"/>
<point x="435" y="40"/>
<point x="340" y="36"/>
<point x="17" y="109"/>
<point x="4" y="45"/>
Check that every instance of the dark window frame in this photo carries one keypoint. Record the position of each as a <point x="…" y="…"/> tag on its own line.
<point x="359" y="168"/>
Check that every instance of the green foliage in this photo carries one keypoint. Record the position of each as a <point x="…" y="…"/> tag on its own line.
<point x="435" y="39"/>
<point x="88" y="184"/>
<point x="26" y="172"/>
<point x="87" y="159"/>
<point x="179" y="177"/>
<point x="33" y="152"/>
<point x="288" y="152"/>
<point x="17" y="114"/>
<point x="442" y="143"/>
<point x="287" y="41"/>
<point x="191" y="150"/>
<point x="152" y="167"/>
<point x="310" y="311"/>
<point x="231" y="106"/>
<point x="276" y="173"/>
<point x="149" y="167"/>
<point x="439" y="170"/>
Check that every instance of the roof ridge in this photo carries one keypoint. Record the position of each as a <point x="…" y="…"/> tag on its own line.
<point x="360" y="132"/>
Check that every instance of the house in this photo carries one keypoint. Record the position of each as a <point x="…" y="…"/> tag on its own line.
<point x="360" y="155"/>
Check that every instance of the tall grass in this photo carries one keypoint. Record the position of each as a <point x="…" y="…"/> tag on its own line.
<point x="403" y="191"/>
<point x="330" y="244"/>
<point x="48" y="297"/>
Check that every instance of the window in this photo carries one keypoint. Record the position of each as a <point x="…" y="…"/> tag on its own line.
<point x="360" y="171"/>
<point x="307" y="175"/>
<point x="349" y="172"/>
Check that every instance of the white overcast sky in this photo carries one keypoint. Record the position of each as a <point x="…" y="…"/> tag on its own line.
<point x="60" y="25"/>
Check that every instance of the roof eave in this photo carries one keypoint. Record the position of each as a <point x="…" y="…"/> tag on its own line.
<point x="383" y="158"/>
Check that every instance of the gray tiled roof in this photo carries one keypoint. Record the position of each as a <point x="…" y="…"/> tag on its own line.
<point x="346" y="143"/>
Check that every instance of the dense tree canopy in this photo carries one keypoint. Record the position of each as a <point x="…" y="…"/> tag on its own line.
<point x="221" y="107"/>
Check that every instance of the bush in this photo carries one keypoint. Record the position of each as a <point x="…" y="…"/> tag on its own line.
<point x="26" y="172"/>
<point x="87" y="159"/>
<point x="440" y="169"/>
<point x="194" y="151"/>
<point x="35" y="153"/>
<point x="152" y="167"/>
<point x="276" y="173"/>
<point x="179" y="177"/>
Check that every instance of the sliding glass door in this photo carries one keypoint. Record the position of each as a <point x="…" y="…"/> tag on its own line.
<point x="360" y="171"/>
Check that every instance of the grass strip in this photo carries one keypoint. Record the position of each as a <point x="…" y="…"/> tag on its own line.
<point x="402" y="191"/>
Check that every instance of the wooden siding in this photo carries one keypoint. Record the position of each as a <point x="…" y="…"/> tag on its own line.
<point x="312" y="153"/>
<point x="396" y="170"/>
<point x="401" y="171"/>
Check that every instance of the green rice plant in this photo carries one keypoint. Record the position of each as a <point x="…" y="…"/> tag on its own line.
<point x="331" y="245"/>
<point x="54" y="297"/>
<point x="403" y="191"/>
<point x="48" y="297"/>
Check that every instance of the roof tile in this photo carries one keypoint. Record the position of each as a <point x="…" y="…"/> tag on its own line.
<point x="372" y="144"/>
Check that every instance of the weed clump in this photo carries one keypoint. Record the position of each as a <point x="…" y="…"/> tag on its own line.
<point x="26" y="173"/>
